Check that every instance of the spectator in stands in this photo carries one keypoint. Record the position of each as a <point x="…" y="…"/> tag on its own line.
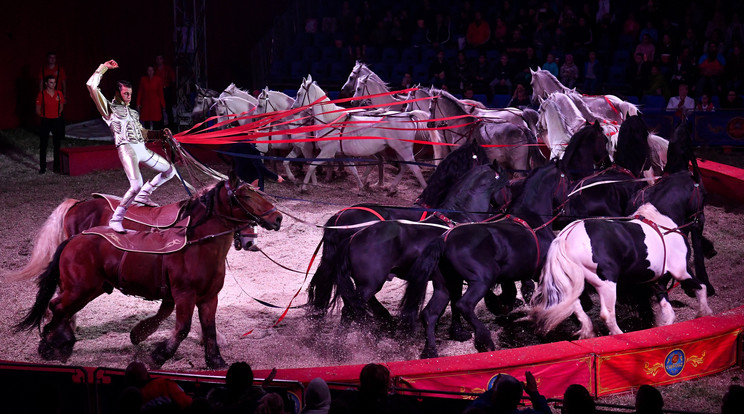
<point x="479" y="32"/>
<point x="592" y="74"/>
<point x="499" y="34"/>
<point x="51" y="68"/>
<point x="569" y="72"/>
<point x="665" y="65"/>
<point x="648" y="400"/>
<point x="463" y="72"/>
<point x="734" y="70"/>
<point x="681" y="104"/>
<point x="691" y="42"/>
<point x="520" y="99"/>
<point x="406" y="82"/>
<point x="667" y="46"/>
<point x="733" y="400"/>
<point x="711" y="67"/>
<point x="506" y="393"/>
<point x="481" y="73"/>
<point x="155" y="392"/>
<point x="577" y="400"/>
<point x="581" y="37"/>
<point x="630" y="30"/>
<point x="440" y="71"/>
<point x="317" y="397"/>
<point x="734" y="33"/>
<point x="656" y="84"/>
<point x="438" y="34"/>
<point x="374" y="394"/>
<point x="647" y="48"/>
<point x="732" y="100"/>
<point x="683" y="69"/>
<point x="50" y="103"/>
<point x="151" y="100"/>
<point x="551" y="65"/>
<point x="501" y="77"/>
<point x="705" y="104"/>
<point x="516" y="47"/>
<point x="270" y="403"/>
<point x="239" y="394"/>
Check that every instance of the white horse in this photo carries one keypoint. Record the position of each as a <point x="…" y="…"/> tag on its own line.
<point x="396" y="131"/>
<point x="274" y="105"/>
<point x="237" y="102"/>
<point x="637" y="251"/>
<point x="203" y="102"/>
<point x="599" y="107"/>
<point x="368" y="85"/>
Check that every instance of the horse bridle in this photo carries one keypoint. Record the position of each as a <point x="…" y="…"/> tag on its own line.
<point x="234" y="198"/>
<point x="444" y="124"/>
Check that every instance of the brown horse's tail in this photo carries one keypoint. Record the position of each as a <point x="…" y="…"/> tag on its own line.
<point x="49" y="236"/>
<point x="47" y="282"/>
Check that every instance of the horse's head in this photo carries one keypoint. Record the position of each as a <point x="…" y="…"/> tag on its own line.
<point x="362" y="90"/>
<point x="347" y="90"/>
<point x="245" y="205"/>
<point x="263" y="102"/>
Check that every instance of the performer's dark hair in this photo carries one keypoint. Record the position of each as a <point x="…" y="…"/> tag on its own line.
<point x="123" y="83"/>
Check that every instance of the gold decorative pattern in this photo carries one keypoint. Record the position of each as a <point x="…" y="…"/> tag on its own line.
<point x="696" y="360"/>
<point x="652" y="369"/>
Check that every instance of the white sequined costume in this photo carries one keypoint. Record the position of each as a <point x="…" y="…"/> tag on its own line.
<point x="129" y="137"/>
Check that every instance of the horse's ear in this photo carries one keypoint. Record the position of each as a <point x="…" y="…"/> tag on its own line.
<point x="309" y="77"/>
<point x="532" y="72"/>
<point x="232" y="178"/>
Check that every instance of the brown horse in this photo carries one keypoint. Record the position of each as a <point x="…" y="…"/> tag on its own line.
<point x="86" y="265"/>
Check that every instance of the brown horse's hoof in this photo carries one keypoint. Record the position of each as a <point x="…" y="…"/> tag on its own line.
<point x="50" y="353"/>
<point x="216" y="363"/>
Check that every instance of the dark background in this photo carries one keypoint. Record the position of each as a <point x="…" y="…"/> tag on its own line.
<point x="86" y="33"/>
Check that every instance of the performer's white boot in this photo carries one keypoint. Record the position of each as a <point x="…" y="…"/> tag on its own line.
<point x="117" y="218"/>
<point x="143" y="197"/>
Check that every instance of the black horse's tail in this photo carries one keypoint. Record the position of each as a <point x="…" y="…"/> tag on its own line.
<point x="342" y="273"/>
<point x="536" y="157"/>
<point x="47" y="282"/>
<point x="418" y="277"/>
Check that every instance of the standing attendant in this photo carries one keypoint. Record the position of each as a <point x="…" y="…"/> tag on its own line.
<point x="151" y="100"/>
<point x="168" y="76"/>
<point x="129" y="137"/>
<point x="51" y="68"/>
<point x="49" y="105"/>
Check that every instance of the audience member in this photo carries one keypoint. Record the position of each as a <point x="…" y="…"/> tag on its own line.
<point x="705" y="104"/>
<point x="711" y="67"/>
<point x="734" y="70"/>
<point x="440" y="71"/>
<point x="317" y="397"/>
<point x="168" y="77"/>
<point x="155" y="392"/>
<point x="270" y="403"/>
<point x="406" y="82"/>
<point x="647" y="48"/>
<point x="682" y="105"/>
<point x="683" y="70"/>
<point x="239" y="394"/>
<point x="151" y="100"/>
<point x="592" y="74"/>
<point x="52" y="68"/>
<point x="520" y="99"/>
<point x="551" y="65"/>
<point x="733" y="400"/>
<point x="481" y="73"/>
<point x="648" y="400"/>
<point x="49" y="105"/>
<point x="732" y="100"/>
<point x="577" y="400"/>
<point x="501" y="78"/>
<point x="479" y="32"/>
<point x="507" y="392"/>
<point x="463" y="72"/>
<point x="438" y="33"/>
<point x="657" y="84"/>
<point x="374" y="394"/>
<point x="569" y="72"/>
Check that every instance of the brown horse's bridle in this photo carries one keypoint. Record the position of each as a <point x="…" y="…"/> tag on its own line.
<point x="235" y="199"/>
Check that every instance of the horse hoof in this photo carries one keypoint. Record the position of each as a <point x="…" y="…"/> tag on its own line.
<point x="460" y="335"/>
<point x="429" y="353"/>
<point x="50" y="353"/>
<point x="216" y="363"/>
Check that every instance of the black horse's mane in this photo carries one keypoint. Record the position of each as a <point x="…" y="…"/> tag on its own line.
<point x="579" y="141"/>
<point x="449" y="171"/>
<point x="681" y="153"/>
<point x="633" y="152"/>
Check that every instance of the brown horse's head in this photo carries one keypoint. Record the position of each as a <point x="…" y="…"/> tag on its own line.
<point x="249" y="204"/>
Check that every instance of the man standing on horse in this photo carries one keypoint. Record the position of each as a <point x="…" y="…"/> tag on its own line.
<point x="129" y="137"/>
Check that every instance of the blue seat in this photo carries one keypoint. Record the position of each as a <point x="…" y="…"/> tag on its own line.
<point x="653" y="102"/>
<point x="338" y="71"/>
<point x="397" y="72"/>
<point x="279" y="69"/>
<point x="332" y="94"/>
<point x="493" y="55"/>
<point x="716" y="101"/>
<point x="427" y="54"/>
<point x="620" y="57"/>
<point x="310" y="53"/>
<point x="371" y="54"/>
<point x="501" y="100"/>
<point x="420" y="73"/>
<point x="320" y="71"/>
<point x="382" y="70"/>
<point x="298" y="70"/>
<point x="329" y="53"/>
<point x="410" y="56"/>
<point x="480" y="97"/>
<point x="290" y="92"/>
<point x="471" y="54"/>
<point x="616" y="75"/>
<point x="633" y="99"/>
<point x="390" y="55"/>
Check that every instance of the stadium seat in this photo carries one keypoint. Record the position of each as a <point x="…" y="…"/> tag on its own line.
<point x="501" y="100"/>
<point x="329" y="53"/>
<point x="633" y="99"/>
<point x="339" y="71"/>
<point x="427" y="55"/>
<point x="420" y="74"/>
<point x="620" y="57"/>
<point x="310" y="54"/>
<point x="371" y="54"/>
<point x="319" y="70"/>
<point x="410" y="56"/>
<point x="390" y="55"/>
<point x="480" y="97"/>
<point x="397" y="72"/>
<point x="290" y="92"/>
<point x="298" y="70"/>
<point x="653" y="102"/>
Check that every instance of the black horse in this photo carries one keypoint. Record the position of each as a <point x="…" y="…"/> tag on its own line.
<point x="346" y="222"/>
<point x="391" y="246"/>
<point x="483" y="254"/>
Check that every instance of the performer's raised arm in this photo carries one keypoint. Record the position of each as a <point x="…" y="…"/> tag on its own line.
<point x="95" y="93"/>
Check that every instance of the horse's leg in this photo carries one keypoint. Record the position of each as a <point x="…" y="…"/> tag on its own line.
<point x="666" y="313"/>
<point x="166" y="349"/>
<point x="466" y="305"/>
<point x="286" y="163"/>
<point x="457" y="331"/>
<point x="587" y="327"/>
<point x="697" y="240"/>
<point x="207" y="312"/>
<point x="429" y="317"/>
<point x="58" y="337"/>
<point x="607" y="298"/>
<point x="148" y="326"/>
<point x="326" y="152"/>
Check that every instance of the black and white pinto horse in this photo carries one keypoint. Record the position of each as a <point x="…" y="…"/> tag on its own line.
<point x="604" y="253"/>
<point x="346" y="222"/>
<point x="390" y="247"/>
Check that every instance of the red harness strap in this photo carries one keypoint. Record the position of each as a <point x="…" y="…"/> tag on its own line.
<point x="610" y="103"/>
<point x="367" y="209"/>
